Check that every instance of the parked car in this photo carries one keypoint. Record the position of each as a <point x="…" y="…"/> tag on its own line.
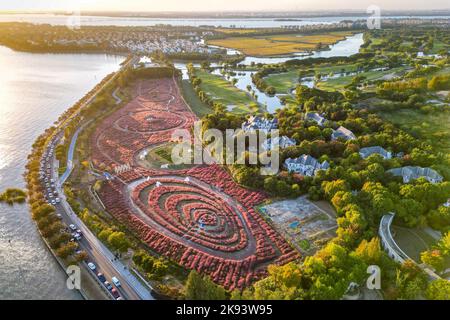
<point x="73" y="227"/>
<point x="116" y="281"/>
<point x="115" y="293"/>
<point x="101" y="277"/>
<point x="108" y="285"/>
<point x="92" y="266"/>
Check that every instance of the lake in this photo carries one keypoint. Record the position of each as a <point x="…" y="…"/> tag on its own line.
<point x="34" y="90"/>
<point x="216" y="22"/>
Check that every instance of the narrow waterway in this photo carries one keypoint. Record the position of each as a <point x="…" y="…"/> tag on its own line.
<point x="344" y="48"/>
<point x="34" y="90"/>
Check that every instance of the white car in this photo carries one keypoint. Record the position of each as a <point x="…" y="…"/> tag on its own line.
<point x="73" y="227"/>
<point x="92" y="266"/>
<point x="116" y="281"/>
<point x="58" y="200"/>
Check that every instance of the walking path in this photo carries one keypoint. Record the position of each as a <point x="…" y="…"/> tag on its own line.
<point x="393" y="250"/>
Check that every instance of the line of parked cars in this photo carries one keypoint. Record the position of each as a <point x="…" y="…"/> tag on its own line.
<point x="76" y="233"/>
<point x="114" y="292"/>
<point x="45" y="174"/>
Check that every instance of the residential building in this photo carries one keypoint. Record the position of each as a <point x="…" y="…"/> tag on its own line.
<point x="305" y="165"/>
<point x="367" y="152"/>
<point x="410" y="173"/>
<point x="314" y="116"/>
<point x="260" y="123"/>
<point x="343" y="133"/>
<point x="283" y="142"/>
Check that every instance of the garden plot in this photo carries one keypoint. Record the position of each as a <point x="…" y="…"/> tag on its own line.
<point x="301" y="221"/>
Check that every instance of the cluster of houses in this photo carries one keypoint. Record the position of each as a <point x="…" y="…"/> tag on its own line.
<point x="167" y="46"/>
<point x="141" y="41"/>
<point x="309" y="166"/>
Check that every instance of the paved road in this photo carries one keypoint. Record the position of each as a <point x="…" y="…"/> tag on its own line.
<point x="69" y="166"/>
<point x="98" y="253"/>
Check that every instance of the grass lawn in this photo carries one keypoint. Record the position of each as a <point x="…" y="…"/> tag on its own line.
<point x="439" y="45"/>
<point x="223" y="91"/>
<point x="282" y="82"/>
<point x="199" y="108"/>
<point x="434" y="128"/>
<point x="279" y="44"/>
<point x="341" y="82"/>
<point x="161" y="155"/>
<point x="413" y="241"/>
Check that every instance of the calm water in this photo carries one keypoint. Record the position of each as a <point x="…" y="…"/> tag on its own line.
<point x="344" y="48"/>
<point x="34" y="90"/>
<point x="239" y="23"/>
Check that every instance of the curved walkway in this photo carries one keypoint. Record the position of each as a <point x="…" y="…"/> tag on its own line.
<point x="393" y="250"/>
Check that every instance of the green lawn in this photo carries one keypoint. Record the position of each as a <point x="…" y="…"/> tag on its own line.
<point x="199" y="108"/>
<point x="224" y="92"/>
<point x="161" y="155"/>
<point x="282" y="82"/>
<point x="341" y="82"/>
<point x="433" y="128"/>
<point x="439" y="45"/>
<point x="413" y="241"/>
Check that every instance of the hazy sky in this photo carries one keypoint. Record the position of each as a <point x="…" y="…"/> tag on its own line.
<point x="221" y="5"/>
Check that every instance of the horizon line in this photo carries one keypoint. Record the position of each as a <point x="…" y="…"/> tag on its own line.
<point x="28" y="11"/>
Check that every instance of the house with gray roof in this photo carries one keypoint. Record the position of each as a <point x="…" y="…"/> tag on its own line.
<point x="283" y="142"/>
<point x="314" y="116"/>
<point x="367" y="152"/>
<point x="260" y="123"/>
<point x="343" y="133"/>
<point x="305" y="165"/>
<point x="410" y="173"/>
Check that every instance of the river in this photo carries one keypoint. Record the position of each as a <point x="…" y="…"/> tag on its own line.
<point x="34" y="90"/>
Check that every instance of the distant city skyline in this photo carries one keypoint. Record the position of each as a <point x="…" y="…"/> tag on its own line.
<point x="216" y="5"/>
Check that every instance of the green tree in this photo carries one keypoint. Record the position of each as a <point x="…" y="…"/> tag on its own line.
<point x="438" y="290"/>
<point x="202" y="288"/>
<point x="119" y="241"/>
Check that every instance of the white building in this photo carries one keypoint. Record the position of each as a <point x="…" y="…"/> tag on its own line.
<point x="260" y="123"/>
<point x="367" y="152"/>
<point x="411" y="173"/>
<point x="283" y="142"/>
<point x="343" y="133"/>
<point x="305" y="165"/>
<point x="314" y="116"/>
